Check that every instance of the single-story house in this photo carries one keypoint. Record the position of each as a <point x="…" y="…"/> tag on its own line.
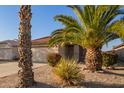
<point x="40" y="47"/>
<point x="119" y="50"/>
<point x="40" y="50"/>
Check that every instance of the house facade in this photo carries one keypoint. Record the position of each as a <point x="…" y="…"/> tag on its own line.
<point x="119" y="50"/>
<point x="8" y="50"/>
<point x="40" y="50"/>
<point x="73" y="51"/>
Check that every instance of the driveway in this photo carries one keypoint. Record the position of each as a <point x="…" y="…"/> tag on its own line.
<point x="8" y="68"/>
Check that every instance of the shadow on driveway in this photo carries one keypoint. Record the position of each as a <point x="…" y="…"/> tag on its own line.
<point x="42" y="85"/>
<point x="90" y="84"/>
<point x="112" y="73"/>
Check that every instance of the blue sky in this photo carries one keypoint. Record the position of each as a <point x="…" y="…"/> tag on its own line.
<point x="42" y="22"/>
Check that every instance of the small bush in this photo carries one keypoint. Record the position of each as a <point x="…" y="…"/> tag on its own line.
<point x="69" y="72"/>
<point x="53" y="59"/>
<point x="109" y="59"/>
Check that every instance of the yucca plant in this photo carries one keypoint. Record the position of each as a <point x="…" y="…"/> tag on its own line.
<point x="95" y="26"/>
<point x="69" y="72"/>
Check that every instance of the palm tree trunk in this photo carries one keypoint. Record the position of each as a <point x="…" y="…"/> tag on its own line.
<point x="93" y="59"/>
<point x="26" y="75"/>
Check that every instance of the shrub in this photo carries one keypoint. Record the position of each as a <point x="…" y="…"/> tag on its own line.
<point x="69" y="72"/>
<point x="109" y="59"/>
<point x="53" y="59"/>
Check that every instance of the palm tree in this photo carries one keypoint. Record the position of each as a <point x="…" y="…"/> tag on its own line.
<point x="93" y="28"/>
<point x="26" y="75"/>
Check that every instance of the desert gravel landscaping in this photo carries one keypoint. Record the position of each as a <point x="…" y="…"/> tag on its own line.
<point x="46" y="79"/>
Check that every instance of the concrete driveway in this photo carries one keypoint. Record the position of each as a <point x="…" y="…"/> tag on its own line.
<point x="8" y="68"/>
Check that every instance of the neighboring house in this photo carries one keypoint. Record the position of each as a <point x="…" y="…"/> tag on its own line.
<point x="40" y="50"/>
<point x="8" y="50"/>
<point x="119" y="50"/>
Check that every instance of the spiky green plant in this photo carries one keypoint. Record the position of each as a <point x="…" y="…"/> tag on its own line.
<point x="69" y="72"/>
<point x="94" y="26"/>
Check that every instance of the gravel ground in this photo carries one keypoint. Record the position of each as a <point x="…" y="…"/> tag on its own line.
<point x="46" y="79"/>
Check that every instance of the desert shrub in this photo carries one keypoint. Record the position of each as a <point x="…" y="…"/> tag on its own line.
<point x="109" y="59"/>
<point x="53" y="59"/>
<point x="69" y="72"/>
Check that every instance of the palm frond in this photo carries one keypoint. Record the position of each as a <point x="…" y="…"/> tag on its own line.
<point x="79" y="13"/>
<point x="117" y="27"/>
<point x="94" y="28"/>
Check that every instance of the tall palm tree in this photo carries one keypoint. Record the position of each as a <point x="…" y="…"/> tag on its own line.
<point x="26" y="75"/>
<point x="93" y="28"/>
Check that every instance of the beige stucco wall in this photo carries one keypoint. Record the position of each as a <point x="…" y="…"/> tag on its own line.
<point x="4" y="46"/>
<point x="5" y="54"/>
<point x="15" y="53"/>
<point x="8" y="53"/>
<point x="40" y="54"/>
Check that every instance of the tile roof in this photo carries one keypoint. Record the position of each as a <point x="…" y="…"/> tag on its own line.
<point x="40" y="41"/>
<point x="12" y="43"/>
<point x="121" y="45"/>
